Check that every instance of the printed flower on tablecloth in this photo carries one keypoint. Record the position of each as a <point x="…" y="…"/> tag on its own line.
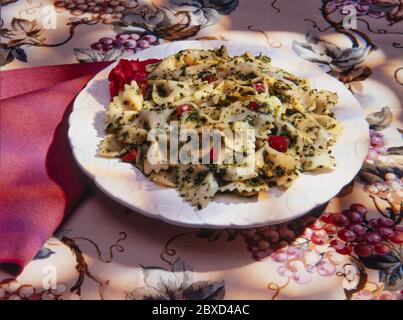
<point x="382" y="172"/>
<point x="179" y="19"/>
<point x="392" y="10"/>
<point x="344" y="64"/>
<point x="176" y="284"/>
<point x="21" y="32"/>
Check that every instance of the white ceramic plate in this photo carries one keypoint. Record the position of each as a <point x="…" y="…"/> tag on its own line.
<point x="127" y="185"/>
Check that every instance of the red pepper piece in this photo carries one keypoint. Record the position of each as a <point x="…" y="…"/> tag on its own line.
<point x="209" y="78"/>
<point x="279" y="143"/>
<point x="130" y="156"/>
<point x="125" y="72"/>
<point x="253" y="105"/>
<point x="182" y="109"/>
<point x="259" y="87"/>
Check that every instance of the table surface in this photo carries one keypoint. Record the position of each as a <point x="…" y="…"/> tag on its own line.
<point x="104" y="251"/>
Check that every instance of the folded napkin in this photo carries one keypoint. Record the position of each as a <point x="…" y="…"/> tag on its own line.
<point x="39" y="180"/>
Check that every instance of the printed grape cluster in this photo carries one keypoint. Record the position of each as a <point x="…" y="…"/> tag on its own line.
<point x="106" y="10"/>
<point x="263" y="241"/>
<point x="347" y="232"/>
<point x="350" y="231"/>
<point x="129" y="42"/>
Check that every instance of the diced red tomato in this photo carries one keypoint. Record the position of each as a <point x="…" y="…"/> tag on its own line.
<point x="253" y="105"/>
<point x="126" y="71"/>
<point x="130" y="156"/>
<point x="182" y="109"/>
<point x="259" y="87"/>
<point x="279" y="143"/>
<point x="209" y="78"/>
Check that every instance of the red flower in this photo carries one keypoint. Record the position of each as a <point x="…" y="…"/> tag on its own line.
<point x="126" y="71"/>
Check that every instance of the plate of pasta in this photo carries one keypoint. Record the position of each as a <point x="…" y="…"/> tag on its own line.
<point x="218" y="134"/>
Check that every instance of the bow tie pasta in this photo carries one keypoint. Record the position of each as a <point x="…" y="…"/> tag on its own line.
<point x="291" y="127"/>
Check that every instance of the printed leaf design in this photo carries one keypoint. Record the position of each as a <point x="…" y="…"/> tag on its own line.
<point x="61" y="233"/>
<point x="90" y="55"/>
<point x="371" y="173"/>
<point x="381" y="119"/>
<point x="19" y="54"/>
<point x="183" y="272"/>
<point x="161" y="280"/>
<point x="43" y="253"/>
<point x="392" y="8"/>
<point x="146" y="293"/>
<point x="6" y="55"/>
<point x="357" y="74"/>
<point x="180" y="30"/>
<point x="22" y="31"/>
<point x="205" y="290"/>
<point x="344" y="64"/>
<point x="390" y="268"/>
<point x="395" y="150"/>
<point x="175" y="284"/>
<point x="224" y="7"/>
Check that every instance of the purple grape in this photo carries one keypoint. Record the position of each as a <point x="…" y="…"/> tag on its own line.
<point x="134" y="36"/>
<point x="340" y="220"/>
<point x="385" y="232"/>
<point x="129" y="44"/>
<point x="359" y="208"/>
<point x="122" y="37"/>
<point x="382" y="248"/>
<point x="106" y="41"/>
<point x="150" y="38"/>
<point x="143" y="44"/>
<point x="346" y="235"/>
<point x="359" y="230"/>
<point x="373" y="237"/>
<point x="354" y="216"/>
<point x="363" y="250"/>
<point x="97" y="46"/>
<point x="385" y="222"/>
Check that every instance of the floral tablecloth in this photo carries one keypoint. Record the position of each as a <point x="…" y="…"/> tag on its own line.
<point x="349" y="249"/>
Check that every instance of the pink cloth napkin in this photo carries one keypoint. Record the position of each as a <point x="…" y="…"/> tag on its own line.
<point x="39" y="180"/>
